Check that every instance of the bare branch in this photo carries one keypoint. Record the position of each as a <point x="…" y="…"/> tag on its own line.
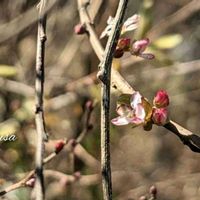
<point x="104" y="75"/>
<point x="82" y="180"/>
<point x="72" y="145"/>
<point x="17" y="185"/>
<point x="16" y="87"/>
<point x="16" y="26"/>
<point x="39" y="114"/>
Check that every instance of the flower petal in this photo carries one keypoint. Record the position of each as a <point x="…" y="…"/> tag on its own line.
<point x="120" y="121"/>
<point x="124" y="110"/>
<point x="132" y="20"/>
<point x="130" y="28"/>
<point x="136" y="121"/>
<point x="139" y="46"/>
<point x="136" y="98"/>
<point x="140" y="112"/>
<point x="130" y="24"/>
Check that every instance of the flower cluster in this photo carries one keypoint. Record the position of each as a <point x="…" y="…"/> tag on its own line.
<point x="136" y="47"/>
<point x="160" y="112"/>
<point x="136" y="110"/>
<point x="133" y="109"/>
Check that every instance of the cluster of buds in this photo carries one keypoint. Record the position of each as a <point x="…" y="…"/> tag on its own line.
<point x="136" y="110"/>
<point x="160" y="112"/>
<point x="136" y="48"/>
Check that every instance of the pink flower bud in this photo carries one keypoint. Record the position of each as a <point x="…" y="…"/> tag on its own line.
<point x="161" y="99"/>
<point x="139" y="46"/>
<point x="124" y="43"/>
<point x="77" y="175"/>
<point x="160" y="116"/>
<point x="153" y="190"/>
<point x="89" y="105"/>
<point x="30" y="182"/>
<point x="59" y="146"/>
<point x="143" y="198"/>
<point x="79" y="29"/>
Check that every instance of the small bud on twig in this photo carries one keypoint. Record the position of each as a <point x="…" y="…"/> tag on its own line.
<point x="89" y="105"/>
<point x="161" y="99"/>
<point x="59" y="146"/>
<point x="80" y="29"/>
<point x="153" y="190"/>
<point x="30" y="182"/>
<point x="143" y="198"/>
<point x="77" y="175"/>
<point x="160" y="116"/>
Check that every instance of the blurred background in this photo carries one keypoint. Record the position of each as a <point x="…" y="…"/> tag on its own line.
<point x="139" y="158"/>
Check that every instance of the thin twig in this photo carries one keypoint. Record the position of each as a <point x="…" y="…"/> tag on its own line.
<point x="104" y="75"/>
<point x="17" y="185"/>
<point x="72" y="145"/>
<point x="16" y="87"/>
<point x="82" y="180"/>
<point x="86" y="125"/>
<point x="77" y="149"/>
<point x="22" y="182"/>
<point x="17" y="25"/>
<point x="39" y="114"/>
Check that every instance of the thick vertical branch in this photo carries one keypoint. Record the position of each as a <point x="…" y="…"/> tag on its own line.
<point x="39" y="87"/>
<point x="104" y="75"/>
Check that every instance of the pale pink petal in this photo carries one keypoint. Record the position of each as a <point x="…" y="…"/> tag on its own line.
<point x="120" y="121"/>
<point x="132" y="20"/>
<point x="136" y="98"/>
<point x="140" y="112"/>
<point x="131" y="23"/>
<point x="136" y="121"/>
<point x="148" y="56"/>
<point x="124" y="110"/>
<point x="140" y="45"/>
<point x="129" y="28"/>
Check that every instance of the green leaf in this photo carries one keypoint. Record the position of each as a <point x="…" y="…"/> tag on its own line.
<point x="168" y="41"/>
<point x="124" y="99"/>
<point x="7" y="71"/>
